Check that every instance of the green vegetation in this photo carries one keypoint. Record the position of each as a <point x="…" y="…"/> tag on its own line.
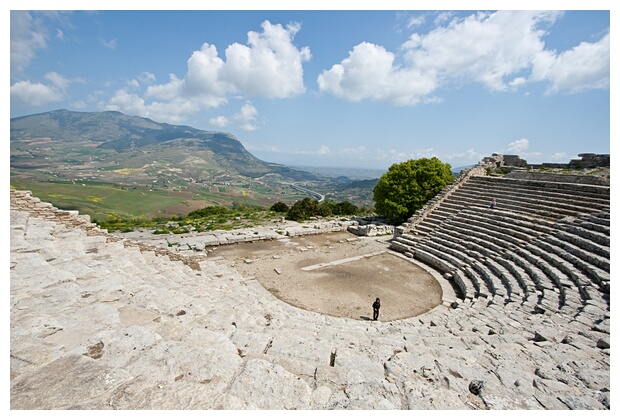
<point x="108" y="201"/>
<point x="227" y="218"/>
<point x="279" y="207"/>
<point x="502" y="170"/>
<point x="407" y="186"/>
<point x="100" y="200"/>
<point x="307" y="208"/>
<point x="202" y="220"/>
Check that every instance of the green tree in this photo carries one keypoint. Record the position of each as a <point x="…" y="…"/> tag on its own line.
<point x="345" y="208"/>
<point x="407" y="186"/>
<point x="279" y="207"/>
<point x="326" y="208"/>
<point x="209" y="211"/>
<point x="303" y="209"/>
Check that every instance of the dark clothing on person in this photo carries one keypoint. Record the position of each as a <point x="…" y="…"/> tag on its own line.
<point x="375" y="309"/>
<point x="492" y="205"/>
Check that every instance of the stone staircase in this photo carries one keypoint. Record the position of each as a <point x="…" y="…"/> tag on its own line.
<point x="103" y="323"/>
<point x="544" y="247"/>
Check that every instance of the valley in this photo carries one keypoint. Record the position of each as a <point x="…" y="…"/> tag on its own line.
<point x="111" y="165"/>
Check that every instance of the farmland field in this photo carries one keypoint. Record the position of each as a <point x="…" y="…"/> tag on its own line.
<point x="102" y="201"/>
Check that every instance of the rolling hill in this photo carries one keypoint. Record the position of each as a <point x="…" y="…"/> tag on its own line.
<point x="109" y="164"/>
<point x="110" y="138"/>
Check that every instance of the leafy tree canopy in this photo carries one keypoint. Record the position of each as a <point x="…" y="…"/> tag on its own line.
<point x="279" y="207"/>
<point x="303" y="210"/>
<point x="307" y="208"/>
<point x="407" y="186"/>
<point x="209" y="211"/>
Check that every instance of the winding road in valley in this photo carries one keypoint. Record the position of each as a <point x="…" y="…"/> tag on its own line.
<point x="311" y="193"/>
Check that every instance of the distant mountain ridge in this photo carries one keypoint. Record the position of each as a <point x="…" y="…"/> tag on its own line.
<point x="113" y="130"/>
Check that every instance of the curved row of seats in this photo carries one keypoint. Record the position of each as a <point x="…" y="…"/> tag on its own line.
<point x="545" y="245"/>
<point x="545" y="200"/>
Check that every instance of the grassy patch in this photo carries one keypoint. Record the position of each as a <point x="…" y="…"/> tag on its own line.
<point x="100" y="200"/>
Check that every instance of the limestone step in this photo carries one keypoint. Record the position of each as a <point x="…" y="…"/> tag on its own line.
<point x="111" y="325"/>
<point x="556" y="190"/>
<point x="574" y="238"/>
<point x="482" y="244"/>
<point x="586" y="257"/>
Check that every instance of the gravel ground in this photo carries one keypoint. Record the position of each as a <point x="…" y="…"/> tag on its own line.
<point x="337" y="274"/>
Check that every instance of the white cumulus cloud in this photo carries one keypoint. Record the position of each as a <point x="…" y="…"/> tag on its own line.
<point x="166" y="92"/>
<point x="502" y="51"/>
<point x="40" y="94"/>
<point x="27" y="36"/>
<point x="269" y="66"/>
<point x="220" y="121"/>
<point x="483" y="47"/>
<point x="60" y="82"/>
<point x="174" y="111"/>
<point x="370" y="72"/>
<point x="560" y="157"/>
<point x="34" y="94"/>
<point x="147" y="77"/>
<point x="414" y="21"/>
<point x="247" y="116"/>
<point x="584" y="67"/>
<point x="518" y="146"/>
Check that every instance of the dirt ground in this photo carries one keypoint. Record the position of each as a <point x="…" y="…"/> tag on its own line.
<point x="337" y="274"/>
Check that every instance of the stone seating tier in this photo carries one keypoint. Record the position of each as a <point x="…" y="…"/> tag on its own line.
<point x="483" y="246"/>
<point x="525" y="230"/>
<point x="557" y="191"/>
<point x="455" y="203"/>
<point x="557" y="269"/>
<point x="534" y="207"/>
<point x="479" y="190"/>
<point x="98" y="322"/>
<point x="574" y="238"/>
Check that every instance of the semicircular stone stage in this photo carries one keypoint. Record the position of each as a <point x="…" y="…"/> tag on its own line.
<point x="103" y="323"/>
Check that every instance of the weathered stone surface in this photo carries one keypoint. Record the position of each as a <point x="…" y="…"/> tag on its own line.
<point x="262" y="385"/>
<point x="98" y="325"/>
<point x="581" y="403"/>
<point x="603" y="343"/>
<point x="67" y="383"/>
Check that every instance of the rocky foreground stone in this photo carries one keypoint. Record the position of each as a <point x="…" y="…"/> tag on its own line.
<point x="100" y="323"/>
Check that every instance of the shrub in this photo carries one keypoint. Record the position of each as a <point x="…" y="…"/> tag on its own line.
<point x="303" y="210"/>
<point x="307" y="208"/>
<point x="279" y="207"/>
<point x="209" y="211"/>
<point x="326" y="208"/>
<point x="345" y="208"/>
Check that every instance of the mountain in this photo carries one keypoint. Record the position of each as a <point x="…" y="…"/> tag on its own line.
<point x="95" y="141"/>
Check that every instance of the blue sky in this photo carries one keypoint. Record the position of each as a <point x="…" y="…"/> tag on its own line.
<point x="346" y="88"/>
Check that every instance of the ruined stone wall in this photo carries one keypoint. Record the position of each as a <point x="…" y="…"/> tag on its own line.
<point x="513" y="160"/>
<point x="588" y="160"/>
<point x="24" y="200"/>
<point x="555" y="177"/>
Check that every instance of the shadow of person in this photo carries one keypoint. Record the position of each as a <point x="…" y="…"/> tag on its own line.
<point x="365" y="318"/>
